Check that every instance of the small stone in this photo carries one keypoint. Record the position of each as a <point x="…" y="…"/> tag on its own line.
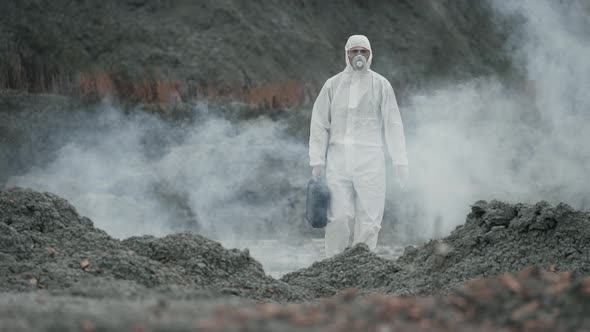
<point x="84" y="263"/>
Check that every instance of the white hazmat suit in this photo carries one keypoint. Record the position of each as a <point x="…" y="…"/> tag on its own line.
<point x="355" y="112"/>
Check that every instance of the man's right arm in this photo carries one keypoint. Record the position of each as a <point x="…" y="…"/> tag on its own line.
<point x="320" y="128"/>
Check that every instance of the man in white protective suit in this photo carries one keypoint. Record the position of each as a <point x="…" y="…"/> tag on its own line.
<point x="354" y="117"/>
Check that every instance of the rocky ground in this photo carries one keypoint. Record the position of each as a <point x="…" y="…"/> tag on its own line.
<point x="511" y="267"/>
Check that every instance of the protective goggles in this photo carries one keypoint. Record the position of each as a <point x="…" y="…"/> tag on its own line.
<point x="359" y="51"/>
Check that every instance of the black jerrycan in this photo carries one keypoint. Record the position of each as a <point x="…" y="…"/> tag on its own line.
<point x="318" y="199"/>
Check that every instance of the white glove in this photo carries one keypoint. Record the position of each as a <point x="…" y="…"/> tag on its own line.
<point x="402" y="175"/>
<point x="317" y="172"/>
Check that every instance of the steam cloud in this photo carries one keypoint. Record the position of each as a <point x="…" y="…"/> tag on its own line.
<point x="485" y="140"/>
<point x="214" y="176"/>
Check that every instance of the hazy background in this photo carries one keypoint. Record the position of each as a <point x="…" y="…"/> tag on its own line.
<point x="212" y="176"/>
<point x="487" y="139"/>
<point x="520" y="137"/>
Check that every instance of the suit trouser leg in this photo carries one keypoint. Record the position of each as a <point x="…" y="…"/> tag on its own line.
<point x="341" y="212"/>
<point x="370" y="188"/>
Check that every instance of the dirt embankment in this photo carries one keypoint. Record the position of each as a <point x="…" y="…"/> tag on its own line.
<point x="496" y="238"/>
<point x="47" y="249"/>
<point x="45" y="244"/>
<point x="268" y="53"/>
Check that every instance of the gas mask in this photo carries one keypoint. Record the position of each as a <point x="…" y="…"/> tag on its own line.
<point x="359" y="62"/>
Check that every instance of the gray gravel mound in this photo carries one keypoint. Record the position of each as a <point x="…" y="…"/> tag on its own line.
<point x="496" y="238"/>
<point x="208" y="264"/>
<point x="356" y="267"/>
<point x="45" y="244"/>
<point x="207" y="260"/>
<point x="33" y="222"/>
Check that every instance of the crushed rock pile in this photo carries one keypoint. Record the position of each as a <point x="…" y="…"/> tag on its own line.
<point x="357" y="267"/>
<point x="45" y="244"/>
<point x="496" y="238"/>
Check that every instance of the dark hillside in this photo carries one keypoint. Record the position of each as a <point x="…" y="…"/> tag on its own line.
<point x="253" y="50"/>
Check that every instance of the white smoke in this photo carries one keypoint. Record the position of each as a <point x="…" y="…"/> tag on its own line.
<point x="487" y="140"/>
<point x="218" y="175"/>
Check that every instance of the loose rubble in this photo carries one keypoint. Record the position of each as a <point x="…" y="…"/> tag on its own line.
<point x="509" y="267"/>
<point x="45" y="244"/>
<point x="496" y="238"/>
<point x="532" y="300"/>
<point x="356" y="267"/>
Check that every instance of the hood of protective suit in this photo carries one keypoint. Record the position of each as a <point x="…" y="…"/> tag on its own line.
<point x="356" y="41"/>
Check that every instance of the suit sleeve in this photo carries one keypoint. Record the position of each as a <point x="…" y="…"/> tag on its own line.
<point x="319" y="132"/>
<point x="393" y="127"/>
